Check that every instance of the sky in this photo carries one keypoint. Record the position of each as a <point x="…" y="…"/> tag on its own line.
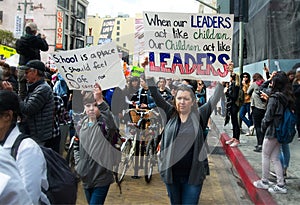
<point x="131" y="7"/>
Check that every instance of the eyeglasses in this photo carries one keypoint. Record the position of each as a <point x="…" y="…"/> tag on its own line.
<point x="245" y="76"/>
<point x="200" y="84"/>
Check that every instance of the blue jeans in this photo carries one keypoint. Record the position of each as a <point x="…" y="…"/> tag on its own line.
<point x="180" y="192"/>
<point x="96" y="195"/>
<point x="245" y="109"/>
<point x="285" y="155"/>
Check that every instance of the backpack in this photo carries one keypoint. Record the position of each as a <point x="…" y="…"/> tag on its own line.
<point x="241" y="97"/>
<point x="62" y="181"/>
<point x="286" y="130"/>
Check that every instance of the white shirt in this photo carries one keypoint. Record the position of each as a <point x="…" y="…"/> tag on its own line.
<point x="31" y="164"/>
<point x="12" y="190"/>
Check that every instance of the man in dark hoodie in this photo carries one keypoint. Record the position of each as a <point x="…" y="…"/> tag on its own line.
<point x="29" y="47"/>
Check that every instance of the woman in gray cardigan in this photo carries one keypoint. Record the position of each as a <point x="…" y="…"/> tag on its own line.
<point x="182" y="149"/>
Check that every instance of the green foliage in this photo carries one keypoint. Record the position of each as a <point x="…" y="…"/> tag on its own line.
<point x="7" y="38"/>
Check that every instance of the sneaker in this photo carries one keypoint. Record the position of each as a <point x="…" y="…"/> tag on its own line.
<point x="235" y="143"/>
<point x="230" y="141"/>
<point x="261" y="185"/>
<point x="258" y="148"/>
<point x="278" y="189"/>
<point x="251" y="131"/>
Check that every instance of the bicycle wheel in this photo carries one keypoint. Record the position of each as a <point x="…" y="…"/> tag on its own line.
<point x="124" y="164"/>
<point x="149" y="161"/>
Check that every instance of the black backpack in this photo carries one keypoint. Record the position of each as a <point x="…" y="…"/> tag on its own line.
<point x="62" y="181"/>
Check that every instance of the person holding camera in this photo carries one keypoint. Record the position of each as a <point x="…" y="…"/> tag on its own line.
<point x="29" y="47"/>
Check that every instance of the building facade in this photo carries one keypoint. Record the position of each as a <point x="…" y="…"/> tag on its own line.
<point x="62" y="21"/>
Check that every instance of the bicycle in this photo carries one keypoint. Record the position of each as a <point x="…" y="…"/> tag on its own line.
<point x="140" y="122"/>
<point x="151" y="149"/>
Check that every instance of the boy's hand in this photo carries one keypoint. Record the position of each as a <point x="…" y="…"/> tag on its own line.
<point x="98" y="93"/>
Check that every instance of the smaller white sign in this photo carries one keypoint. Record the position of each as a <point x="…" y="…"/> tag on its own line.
<point x="82" y="68"/>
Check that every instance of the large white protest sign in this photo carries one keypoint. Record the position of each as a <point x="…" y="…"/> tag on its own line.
<point x="82" y="68"/>
<point x="183" y="45"/>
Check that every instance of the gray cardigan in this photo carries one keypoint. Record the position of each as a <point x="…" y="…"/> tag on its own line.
<point x="255" y="99"/>
<point x="200" y="120"/>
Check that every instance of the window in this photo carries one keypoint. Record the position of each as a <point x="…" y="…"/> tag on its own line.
<point x="80" y="11"/>
<point x="66" y="22"/>
<point x="66" y="42"/>
<point x="1" y="17"/>
<point x="124" y="45"/>
<point x="79" y="43"/>
<point x="72" y="24"/>
<point x="118" y="22"/>
<point x="80" y="28"/>
<point x="117" y="39"/>
<point x="118" y="28"/>
<point x="118" y="33"/>
<point x="63" y="3"/>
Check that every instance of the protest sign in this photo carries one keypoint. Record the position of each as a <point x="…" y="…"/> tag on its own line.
<point x="182" y="45"/>
<point x="82" y="68"/>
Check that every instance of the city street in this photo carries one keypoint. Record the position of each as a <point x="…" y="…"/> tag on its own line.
<point x="223" y="186"/>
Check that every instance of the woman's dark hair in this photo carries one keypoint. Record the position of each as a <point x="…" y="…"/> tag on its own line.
<point x="248" y="77"/>
<point x="281" y="83"/>
<point x="257" y="77"/>
<point x="10" y="101"/>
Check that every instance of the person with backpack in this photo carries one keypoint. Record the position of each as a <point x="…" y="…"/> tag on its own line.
<point x="96" y="156"/>
<point x="280" y="99"/>
<point x="33" y="173"/>
<point x="232" y="108"/>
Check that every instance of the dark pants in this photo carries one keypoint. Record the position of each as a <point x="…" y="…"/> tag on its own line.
<point x="234" y="110"/>
<point x="180" y="192"/>
<point x="258" y="115"/>
<point x="96" y="195"/>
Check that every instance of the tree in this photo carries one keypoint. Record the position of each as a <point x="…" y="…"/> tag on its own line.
<point x="7" y="38"/>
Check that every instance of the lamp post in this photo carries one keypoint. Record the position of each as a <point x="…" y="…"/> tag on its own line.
<point x="209" y="6"/>
<point x="25" y="3"/>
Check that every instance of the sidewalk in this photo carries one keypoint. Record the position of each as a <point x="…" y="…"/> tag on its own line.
<point x="248" y="165"/>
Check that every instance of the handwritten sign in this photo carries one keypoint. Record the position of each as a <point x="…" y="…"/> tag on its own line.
<point x="182" y="45"/>
<point x="82" y="68"/>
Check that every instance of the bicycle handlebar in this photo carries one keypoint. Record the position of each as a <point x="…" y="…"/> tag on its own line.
<point x="141" y="112"/>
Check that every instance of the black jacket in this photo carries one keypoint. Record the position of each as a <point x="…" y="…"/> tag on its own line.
<point x="29" y="47"/>
<point x="274" y="114"/>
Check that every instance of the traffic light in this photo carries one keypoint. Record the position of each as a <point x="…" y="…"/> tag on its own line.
<point x="240" y="9"/>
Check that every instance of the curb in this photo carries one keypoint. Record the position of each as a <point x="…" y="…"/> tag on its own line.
<point x="247" y="173"/>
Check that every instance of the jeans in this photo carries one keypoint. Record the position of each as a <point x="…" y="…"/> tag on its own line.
<point x="245" y="109"/>
<point x="180" y="192"/>
<point x="285" y="155"/>
<point x="96" y="195"/>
